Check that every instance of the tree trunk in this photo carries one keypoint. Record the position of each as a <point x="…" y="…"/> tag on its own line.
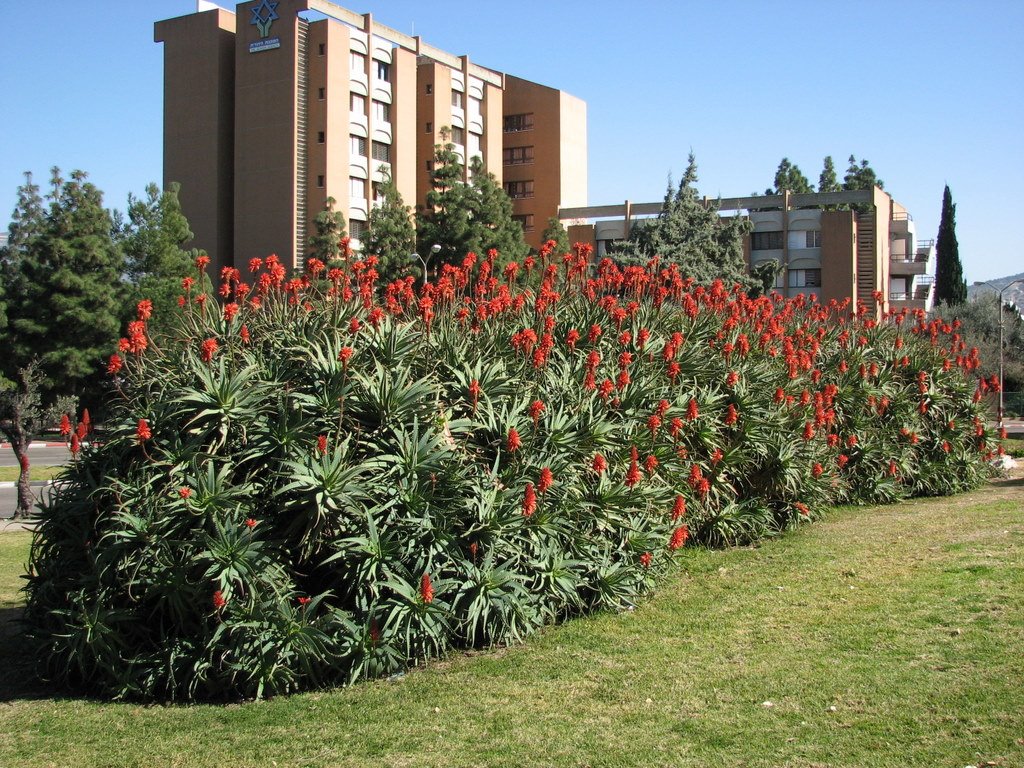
<point x="25" y="498"/>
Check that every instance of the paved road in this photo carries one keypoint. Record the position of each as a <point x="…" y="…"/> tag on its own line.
<point x="38" y="455"/>
<point x="9" y="498"/>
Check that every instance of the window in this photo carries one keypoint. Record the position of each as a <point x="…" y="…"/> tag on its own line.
<point x="805" y="278"/>
<point x="382" y="152"/>
<point x="474" y="144"/>
<point x="357" y="104"/>
<point x="430" y="166"/>
<point x="356" y="188"/>
<point x="357" y="228"/>
<point x="357" y="62"/>
<point x="430" y="88"/>
<point x="814" y="238"/>
<point x="320" y="137"/>
<point x="383" y="70"/>
<point x="475" y="107"/>
<point x="320" y="181"/>
<point x="358" y="146"/>
<point x="459" y="136"/>
<point x="320" y="93"/>
<point x="517" y="123"/>
<point x="457" y="99"/>
<point x="519" y="189"/>
<point x="766" y="241"/>
<point x="381" y="112"/>
<point x="321" y="49"/>
<point x="517" y="155"/>
<point x="526" y="220"/>
<point x="429" y="128"/>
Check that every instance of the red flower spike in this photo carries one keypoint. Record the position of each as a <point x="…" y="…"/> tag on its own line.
<point x="208" y="349"/>
<point x="219" y="601"/>
<point x="142" y="431"/>
<point x="645" y="559"/>
<point x="513" y="442"/>
<point x="321" y="445"/>
<point x="679" y="537"/>
<point x="545" y="481"/>
<point x="426" y="589"/>
<point x="345" y="355"/>
<point x="114" y="364"/>
<point x="250" y="523"/>
<point x="599" y="464"/>
<point x="529" y="501"/>
<point x="536" y="409"/>
<point x="633" y="476"/>
<point x="65" y="425"/>
<point x="679" y="507"/>
<point x="184" y="492"/>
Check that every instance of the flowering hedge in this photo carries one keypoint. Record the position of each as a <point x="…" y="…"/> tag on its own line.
<point x="316" y="481"/>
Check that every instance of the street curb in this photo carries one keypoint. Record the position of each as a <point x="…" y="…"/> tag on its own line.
<point x="32" y="484"/>
<point x="7" y="446"/>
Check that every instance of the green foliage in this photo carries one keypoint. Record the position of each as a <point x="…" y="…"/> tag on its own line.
<point x="789" y="176"/>
<point x="861" y="176"/>
<point x="950" y="286"/>
<point x="827" y="180"/>
<point x="978" y="324"/>
<point x="391" y="236"/>
<point x="62" y="272"/>
<point x="151" y="239"/>
<point x="319" y="485"/>
<point x="691" y="236"/>
<point x="465" y="218"/>
<point x="330" y="243"/>
<point x="556" y="232"/>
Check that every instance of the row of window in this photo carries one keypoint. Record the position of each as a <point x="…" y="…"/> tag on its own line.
<point x="517" y="155"/>
<point x="518" y="123"/>
<point x="772" y="241"/>
<point x="519" y="189"/>
<point x="381" y="151"/>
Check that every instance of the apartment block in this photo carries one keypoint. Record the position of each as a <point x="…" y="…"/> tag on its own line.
<point x="834" y="245"/>
<point x="274" y="108"/>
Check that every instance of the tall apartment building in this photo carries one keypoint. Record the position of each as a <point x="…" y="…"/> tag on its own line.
<point x="273" y="109"/>
<point x="834" y="245"/>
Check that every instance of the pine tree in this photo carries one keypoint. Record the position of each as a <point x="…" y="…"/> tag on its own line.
<point x="329" y="244"/>
<point x="491" y="219"/>
<point x="557" y="232"/>
<point x="445" y="219"/>
<point x="789" y="176"/>
<point x="861" y="176"/>
<point x="65" y="272"/>
<point x="155" y="262"/>
<point x="391" y="236"/>
<point x="827" y="180"/>
<point x="950" y="286"/>
<point x="691" y="234"/>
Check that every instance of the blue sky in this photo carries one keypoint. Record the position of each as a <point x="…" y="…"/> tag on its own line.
<point x="930" y="92"/>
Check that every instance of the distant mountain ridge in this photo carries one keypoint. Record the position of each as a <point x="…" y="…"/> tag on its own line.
<point x="1015" y="295"/>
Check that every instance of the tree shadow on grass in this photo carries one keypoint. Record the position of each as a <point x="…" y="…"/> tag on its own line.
<point x="19" y="672"/>
<point x="1009" y="482"/>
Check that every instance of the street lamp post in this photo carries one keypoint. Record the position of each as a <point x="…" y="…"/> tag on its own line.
<point x="999" y="309"/>
<point x="434" y="250"/>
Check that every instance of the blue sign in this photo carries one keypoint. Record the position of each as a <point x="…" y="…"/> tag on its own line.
<point x="265" y="45"/>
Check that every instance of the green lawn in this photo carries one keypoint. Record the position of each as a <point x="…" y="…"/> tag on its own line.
<point x="879" y="637"/>
<point x="9" y="474"/>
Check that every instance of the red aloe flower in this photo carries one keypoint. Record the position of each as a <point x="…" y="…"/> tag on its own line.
<point x="250" y="523"/>
<point x="529" y="501"/>
<point x="679" y="537"/>
<point x="114" y="364"/>
<point x="65" y="425"/>
<point x="536" y="409"/>
<point x="545" y="481"/>
<point x="144" y="310"/>
<point x="675" y="426"/>
<point x="645" y="559"/>
<point x="650" y="464"/>
<point x="244" y="334"/>
<point x="679" y="507"/>
<point x="142" y="431"/>
<point x="345" y="355"/>
<point x="76" y="445"/>
<point x="653" y="422"/>
<point x="185" y="492"/>
<point x="692" y="410"/>
<point x="219" y="601"/>
<point x="599" y="464"/>
<point x="426" y="589"/>
<point x="808" y="431"/>
<point x="817" y="470"/>
<point x="208" y="349"/>
<point x="633" y="476"/>
<point x="731" y="415"/>
<point x="514" y="442"/>
<point x="321" y="445"/>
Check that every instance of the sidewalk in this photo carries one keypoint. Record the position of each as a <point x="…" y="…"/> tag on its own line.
<point x="37" y="444"/>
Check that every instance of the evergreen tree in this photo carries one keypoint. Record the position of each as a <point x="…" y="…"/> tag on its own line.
<point x="155" y="262"/>
<point x="556" y="231"/>
<point x="63" y="285"/>
<point x="789" y="176"/>
<point x="950" y="286"/>
<point x="330" y="243"/>
<point x="691" y="234"/>
<point x="391" y="236"/>
<point x="861" y="176"/>
<point x="445" y="220"/>
<point x="491" y="219"/>
<point x="827" y="180"/>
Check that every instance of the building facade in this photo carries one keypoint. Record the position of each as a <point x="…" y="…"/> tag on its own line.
<point x="271" y="110"/>
<point x="834" y="245"/>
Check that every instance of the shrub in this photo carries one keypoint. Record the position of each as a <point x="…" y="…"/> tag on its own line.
<point x="308" y="483"/>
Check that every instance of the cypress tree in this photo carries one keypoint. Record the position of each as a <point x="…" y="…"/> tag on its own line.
<point x="328" y="243"/>
<point x="950" y="286"/>
<point x="827" y="180"/>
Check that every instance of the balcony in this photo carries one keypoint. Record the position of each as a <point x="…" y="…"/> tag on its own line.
<point x="900" y="264"/>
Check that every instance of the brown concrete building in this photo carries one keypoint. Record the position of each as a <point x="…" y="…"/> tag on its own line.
<point x="271" y="110"/>
<point x="821" y="249"/>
